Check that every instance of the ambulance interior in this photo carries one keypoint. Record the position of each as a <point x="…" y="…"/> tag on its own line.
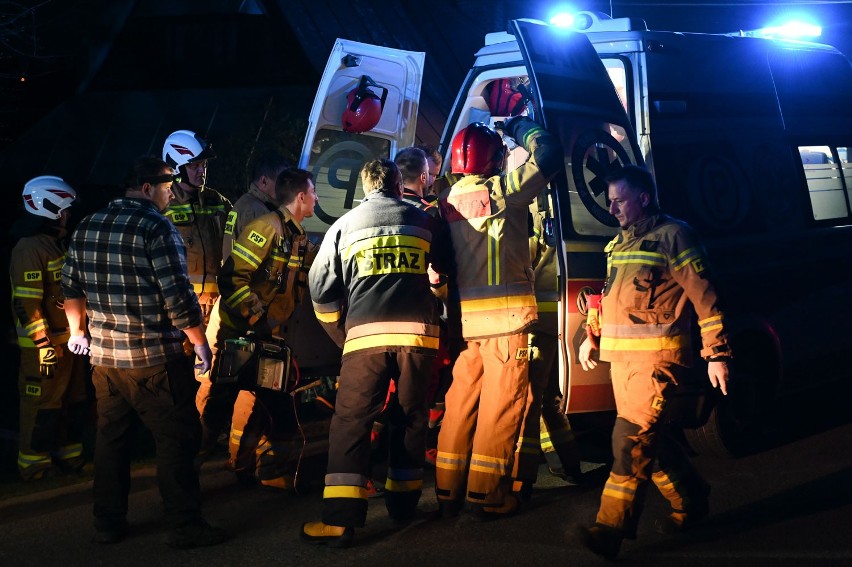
<point x="476" y="109"/>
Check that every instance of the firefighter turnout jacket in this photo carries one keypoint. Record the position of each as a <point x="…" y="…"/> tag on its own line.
<point x="35" y="266"/>
<point x="200" y="217"/>
<point x="367" y="282"/>
<point x="252" y="204"/>
<point x="488" y="220"/>
<point x="545" y="269"/>
<point x="657" y="281"/>
<point x="266" y="273"/>
<point x="52" y="380"/>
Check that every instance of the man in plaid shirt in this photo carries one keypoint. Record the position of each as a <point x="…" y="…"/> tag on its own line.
<point x="126" y="270"/>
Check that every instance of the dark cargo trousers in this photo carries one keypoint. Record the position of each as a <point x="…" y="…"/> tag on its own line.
<point x="644" y="449"/>
<point x="163" y="396"/>
<point x="362" y="390"/>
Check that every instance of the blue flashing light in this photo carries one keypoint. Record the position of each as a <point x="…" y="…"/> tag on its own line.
<point x="562" y="20"/>
<point x="794" y="30"/>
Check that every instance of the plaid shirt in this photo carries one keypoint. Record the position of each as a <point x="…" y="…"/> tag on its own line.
<point x="129" y="263"/>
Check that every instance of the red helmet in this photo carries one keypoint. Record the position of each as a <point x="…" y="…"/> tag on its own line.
<point x="363" y="107"/>
<point x="505" y="98"/>
<point x="477" y="149"/>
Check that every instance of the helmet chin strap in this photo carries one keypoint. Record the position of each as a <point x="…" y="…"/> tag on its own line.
<point x="186" y="179"/>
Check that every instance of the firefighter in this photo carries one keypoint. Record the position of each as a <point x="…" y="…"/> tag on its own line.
<point x="370" y="290"/>
<point x="434" y="159"/>
<point x="658" y="281"/>
<point x="487" y="216"/>
<point x="261" y="283"/>
<point x="545" y="427"/>
<point x="216" y="402"/>
<point x="52" y="380"/>
<point x="413" y="165"/>
<point x="198" y="212"/>
<point x="416" y="166"/>
<point x="258" y="200"/>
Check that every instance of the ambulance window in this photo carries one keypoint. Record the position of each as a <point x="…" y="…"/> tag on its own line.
<point x="599" y="147"/>
<point x="825" y="182"/>
<point x="336" y="161"/>
<point x="617" y="72"/>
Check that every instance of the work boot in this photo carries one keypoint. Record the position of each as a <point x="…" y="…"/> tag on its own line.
<point x="333" y="536"/>
<point x="511" y="505"/>
<point x="402" y="506"/>
<point x="72" y="466"/>
<point x="450" y="508"/>
<point x="109" y="533"/>
<point x="601" y="540"/>
<point x="523" y="489"/>
<point x="284" y="482"/>
<point x="197" y="533"/>
<point x="680" y="521"/>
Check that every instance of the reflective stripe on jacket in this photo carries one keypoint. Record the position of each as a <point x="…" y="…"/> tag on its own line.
<point x="658" y="280"/>
<point x="266" y="272"/>
<point x="200" y="217"/>
<point x="487" y="217"/>
<point x="35" y="269"/>
<point x="248" y="207"/>
<point x="369" y="283"/>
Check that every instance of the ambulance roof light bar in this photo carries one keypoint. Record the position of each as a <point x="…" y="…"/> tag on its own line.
<point x="595" y="22"/>
<point x="790" y="30"/>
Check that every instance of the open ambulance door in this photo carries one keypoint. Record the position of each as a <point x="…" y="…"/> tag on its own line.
<point x="575" y="99"/>
<point x="335" y="156"/>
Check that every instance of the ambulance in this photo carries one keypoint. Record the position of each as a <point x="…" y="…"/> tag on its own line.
<point x="748" y="140"/>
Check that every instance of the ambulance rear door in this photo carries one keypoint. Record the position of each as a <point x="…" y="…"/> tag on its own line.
<point x="335" y="157"/>
<point x="576" y="100"/>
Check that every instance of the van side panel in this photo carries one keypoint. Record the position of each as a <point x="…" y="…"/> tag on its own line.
<point x="726" y="160"/>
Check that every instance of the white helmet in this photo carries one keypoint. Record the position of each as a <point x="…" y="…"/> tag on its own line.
<point x="47" y="196"/>
<point x="185" y="146"/>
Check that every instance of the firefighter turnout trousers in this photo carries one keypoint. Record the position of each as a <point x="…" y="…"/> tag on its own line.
<point x="263" y="423"/>
<point x="485" y="406"/>
<point x="545" y="428"/>
<point x="53" y="412"/>
<point x="362" y="390"/>
<point x="644" y="448"/>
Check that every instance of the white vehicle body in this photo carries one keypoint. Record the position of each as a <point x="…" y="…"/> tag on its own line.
<point x="748" y="142"/>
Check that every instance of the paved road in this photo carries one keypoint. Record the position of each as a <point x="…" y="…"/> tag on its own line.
<point x="789" y="504"/>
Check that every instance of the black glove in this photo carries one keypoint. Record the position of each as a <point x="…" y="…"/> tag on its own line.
<point x="512" y="124"/>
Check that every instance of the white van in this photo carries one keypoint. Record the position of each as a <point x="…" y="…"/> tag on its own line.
<point x="747" y="138"/>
